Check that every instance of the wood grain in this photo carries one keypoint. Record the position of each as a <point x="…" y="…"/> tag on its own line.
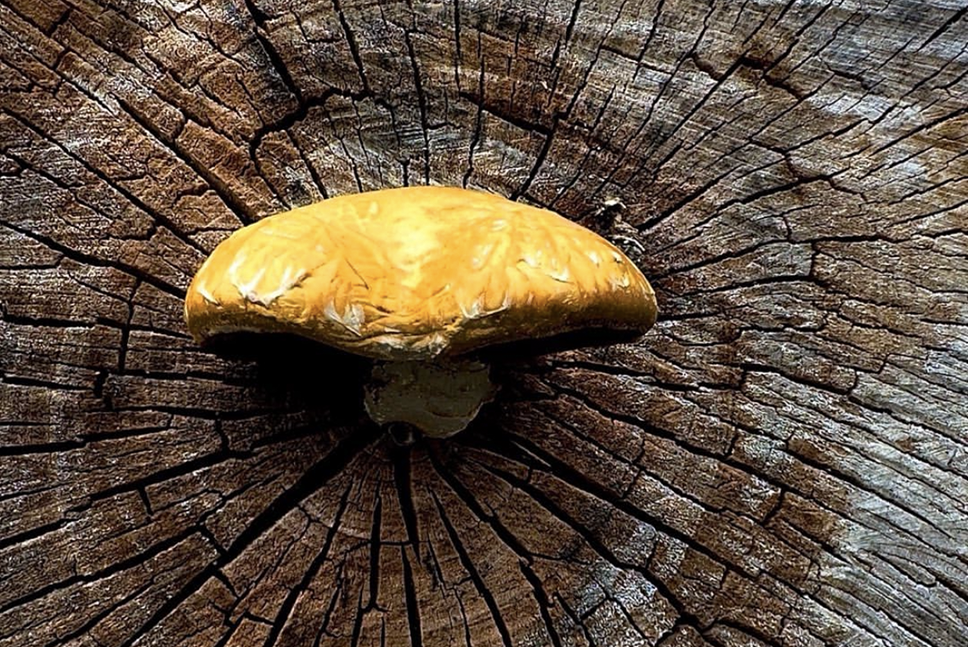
<point x="782" y="461"/>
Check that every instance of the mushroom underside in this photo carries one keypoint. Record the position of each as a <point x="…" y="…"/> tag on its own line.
<point x="439" y="396"/>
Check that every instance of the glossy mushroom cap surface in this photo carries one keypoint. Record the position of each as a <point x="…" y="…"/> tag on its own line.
<point x="416" y="273"/>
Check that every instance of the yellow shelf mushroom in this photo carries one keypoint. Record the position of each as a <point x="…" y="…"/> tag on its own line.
<point x="418" y="278"/>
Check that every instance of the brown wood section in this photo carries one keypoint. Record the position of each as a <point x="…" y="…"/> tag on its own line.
<point x="781" y="461"/>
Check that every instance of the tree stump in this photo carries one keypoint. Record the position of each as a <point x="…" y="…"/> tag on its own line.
<point x="781" y="461"/>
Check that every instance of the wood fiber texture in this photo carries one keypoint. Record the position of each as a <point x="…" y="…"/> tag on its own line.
<point x="781" y="461"/>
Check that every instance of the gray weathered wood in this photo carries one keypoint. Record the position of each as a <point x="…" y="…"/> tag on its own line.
<point x="782" y="461"/>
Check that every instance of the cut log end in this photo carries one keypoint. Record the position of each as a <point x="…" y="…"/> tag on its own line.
<point x="780" y="461"/>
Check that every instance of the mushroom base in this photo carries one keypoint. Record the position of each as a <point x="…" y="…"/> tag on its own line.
<point x="440" y="398"/>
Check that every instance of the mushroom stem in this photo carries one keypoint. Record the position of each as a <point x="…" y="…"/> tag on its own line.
<point x="440" y="397"/>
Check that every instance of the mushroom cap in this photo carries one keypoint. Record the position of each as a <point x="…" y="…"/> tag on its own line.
<point x="415" y="273"/>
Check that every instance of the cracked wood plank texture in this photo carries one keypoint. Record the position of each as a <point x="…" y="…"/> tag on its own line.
<point x="781" y="461"/>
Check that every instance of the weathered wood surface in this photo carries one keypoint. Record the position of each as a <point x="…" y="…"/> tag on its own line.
<point x="781" y="461"/>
